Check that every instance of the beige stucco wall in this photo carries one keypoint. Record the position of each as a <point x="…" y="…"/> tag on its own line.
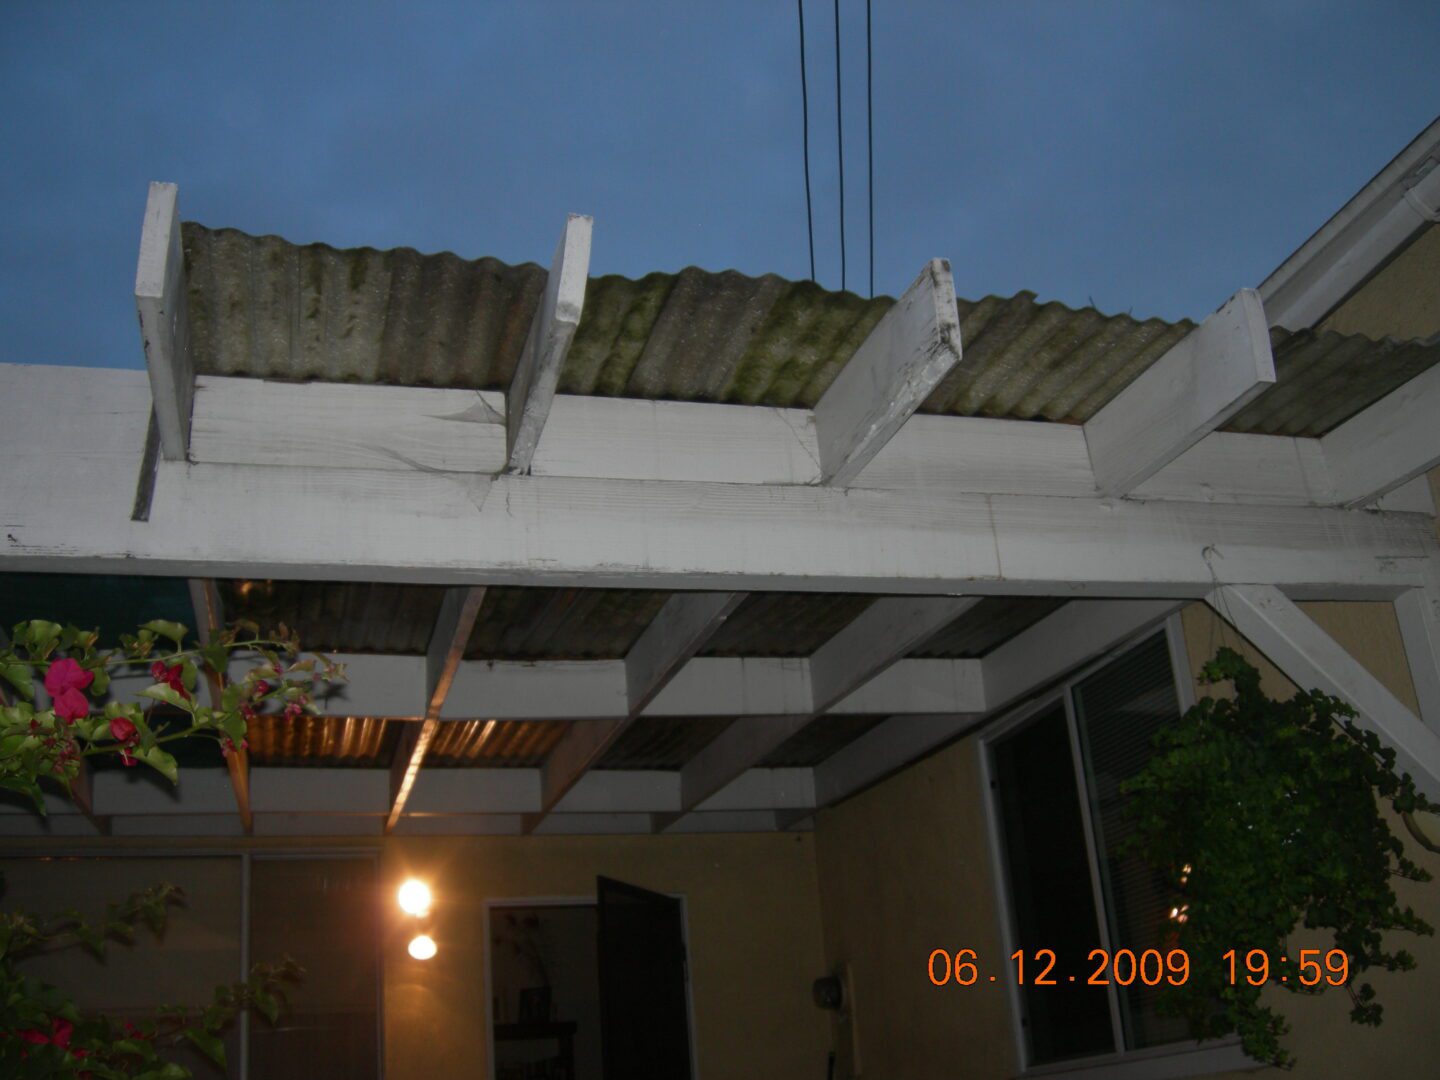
<point x="891" y="893"/>
<point x="1402" y="300"/>
<point x="755" y="943"/>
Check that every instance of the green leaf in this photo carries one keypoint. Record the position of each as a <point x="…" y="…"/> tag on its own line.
<point x="217" y="657"/>
<point x="173" y="630"/>
<point x="169" y="695"/>
<point x="267" y="1004"/>
<point x="18" y="676"/>
<point x="161" y="762"/>
<point x="210" y="1045"/>
<point x="26" y="786"/>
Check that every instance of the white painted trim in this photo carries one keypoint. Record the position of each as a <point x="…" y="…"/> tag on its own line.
<point x="1362" y="236"/>
<point x="164" y="319"/>
<point x="1418" y="613"/>
<point x="537" y="372"/>
<point x="911" y="349"/>
<point x="1199" y="384"/>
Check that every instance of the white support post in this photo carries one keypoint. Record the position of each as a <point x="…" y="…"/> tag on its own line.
<point x="209" y="618"/>
<point x="164" y="320"/>
<point x="1393" y="441"/>
<point x="675" y="635"/>
<point x="532" y="387"/>
<point x="1313" y="660"/>
<point x="882" y="634"/>
<point x="458" y="612"/>
<point x="908" y="352"/>
<point x="1204" y="380"/>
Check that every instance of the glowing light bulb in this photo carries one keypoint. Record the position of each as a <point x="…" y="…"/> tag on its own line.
<point x="415" y="897"/>
<point x="422" y="947"/>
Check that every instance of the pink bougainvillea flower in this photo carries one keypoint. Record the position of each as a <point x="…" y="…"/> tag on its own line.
<point x="34" y="1036"/>
<point x="65" y="682"/>
<point x="122" y="729"/>
<point x="62" y="1032"/>
<point x="172" y="677"/>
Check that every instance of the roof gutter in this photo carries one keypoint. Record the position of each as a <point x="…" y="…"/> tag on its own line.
<point x="1364" y="235"/>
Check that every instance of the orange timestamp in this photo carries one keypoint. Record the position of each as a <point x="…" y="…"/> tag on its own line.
<point x="1150" y="967"/>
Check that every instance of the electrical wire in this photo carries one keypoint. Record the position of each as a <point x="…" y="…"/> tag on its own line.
<point x="840" y="143"/>
<point x="805" y="123"/>
<point x="870" y="144"/>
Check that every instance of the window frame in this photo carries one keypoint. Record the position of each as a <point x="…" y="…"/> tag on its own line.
<point x="246" y="856"/>
<point x="1178" y="1059"/>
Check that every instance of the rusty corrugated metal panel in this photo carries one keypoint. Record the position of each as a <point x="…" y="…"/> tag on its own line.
<point x="816" y="741"/>
<point x="511" y="744"/>
<point x="263" y="307"/>
<point x="339" y="616"/>
<point x="661" y="742"/>
<point x="358" y="741"/>
<point x="987" y="625"/>
<point x="561" y="624"/>
<point x="785" y="624"/>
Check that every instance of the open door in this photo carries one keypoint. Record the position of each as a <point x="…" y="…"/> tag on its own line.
<point x="644" y="1018"/>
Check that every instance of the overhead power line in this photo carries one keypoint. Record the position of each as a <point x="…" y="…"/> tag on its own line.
<point x="840" y="142"/>
<point x="805" y="123"/>
<point x="870" y="144"/>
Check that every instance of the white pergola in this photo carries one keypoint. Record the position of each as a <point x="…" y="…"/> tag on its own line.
<point x="1144" y="508"/>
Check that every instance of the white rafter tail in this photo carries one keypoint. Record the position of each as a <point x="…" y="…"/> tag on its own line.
<point x="674" y="636"/>
<point x="913" y="346"/>
<point x="1313" y="660"/>
<point x="1418" y="613"/>
<point x="1391" y="442"/>
<point x="1200" y="383"/>
<point x="209" y="619"/>
<point x="164" y="320"/>
<point x="880" y="636"/>
<point x="453" y="626"/>
<point x="537" y="374"/>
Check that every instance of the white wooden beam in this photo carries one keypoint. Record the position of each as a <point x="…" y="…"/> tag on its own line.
<point x="674" y="636"/>
<point x="408" y="429"/>
<point x="1034" y="659"/>
<point x="164" y="319"/>
<point x="209" y="619"/>
<point x="81" y="432"/>
<point x="1393" y="441"/>
<point x="911" y="348"/>
<point x="453" y="625"/>
<point x="1200" y="383"/>
<point x="1313" y="660"/>
<point x="537" y="373"/>
<point x="1360" y="239"/>
<point x="881" y="635"/>
<point x="1418" y="613"/>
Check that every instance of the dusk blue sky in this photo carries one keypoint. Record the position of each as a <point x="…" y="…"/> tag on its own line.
<point x="1148" y="157"/>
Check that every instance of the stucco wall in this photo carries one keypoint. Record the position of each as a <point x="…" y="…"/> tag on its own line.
<point x="1402" y="300"/>
<point x="891" y="893"/>
<point x="755" y="943"/>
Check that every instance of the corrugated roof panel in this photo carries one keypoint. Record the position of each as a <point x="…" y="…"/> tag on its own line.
<point x="784" y="624"/>
<point x="511" y="744"/>
<point x="660" y="742"/>
<point x="358" y="741"/>
<point x="561" y="624"/>
<point x="343" y="616"/>
<point x="987" y="625"/>
<point x="263" y="307"/>
<point x="816" y="741"/>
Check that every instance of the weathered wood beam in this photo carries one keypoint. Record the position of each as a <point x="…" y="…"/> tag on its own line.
<point x="674" y="636"/>
<point x="209" y="618"/>
<point x="537" y="373"/>
<point x="164" y="320"/>
<point x="1313" y="660"/>
<point x="1389" y="443"/>
<point x="1204" y="380"/>
<point x="910" y="350"/>
<point x="453" y="625"/>
<point x="881" y="635"/>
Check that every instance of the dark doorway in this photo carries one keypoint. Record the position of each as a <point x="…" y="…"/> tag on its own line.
<point x="644" y="1013"/>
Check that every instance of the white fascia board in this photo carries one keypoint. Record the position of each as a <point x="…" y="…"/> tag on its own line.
<point x="1393" y="441"/>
